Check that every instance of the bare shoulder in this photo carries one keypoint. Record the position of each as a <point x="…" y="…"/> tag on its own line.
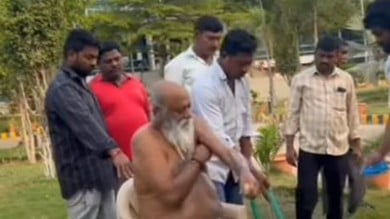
<point x="141" y="136"/>
<point x="145" y="141"/>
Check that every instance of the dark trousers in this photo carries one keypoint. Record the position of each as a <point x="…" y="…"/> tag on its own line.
<point x="309" y="166"/>
<point x="356" y="183"/>
<point x="229" y="192"/>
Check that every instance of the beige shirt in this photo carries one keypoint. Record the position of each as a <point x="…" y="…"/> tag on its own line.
<point x="324" y="109"/>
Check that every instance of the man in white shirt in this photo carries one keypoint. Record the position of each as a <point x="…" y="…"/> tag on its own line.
<point x="222" y="98"/>
<point x="188" y="65"/>
<point x="387" y="68"/>
<point x="387" y="74"/>
<point x="377" y="20"/>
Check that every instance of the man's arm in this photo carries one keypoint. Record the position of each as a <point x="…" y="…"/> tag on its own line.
<point x="150" y="164"/>
<point x="353" y="118"/>
<point x="292" y="124"/>
<point x="74" y="112"/>
<point x="229" y="156"/>
<point x="385" y="149"/>
<point x="206" y="107"/>
<point x="245" y="141"/>
<point x="233" y="158"/>
<point x="210" y="129"/>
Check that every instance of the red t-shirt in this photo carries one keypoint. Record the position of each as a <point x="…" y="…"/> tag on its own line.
<point x="125" y="108"/>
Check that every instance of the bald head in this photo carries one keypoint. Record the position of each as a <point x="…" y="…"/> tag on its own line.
<point x="170" y="96"/>
<point x="165" y="92"/>
<point x="172" y="116"/>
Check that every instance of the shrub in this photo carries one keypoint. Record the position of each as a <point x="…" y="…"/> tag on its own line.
<point x="268" y="144"/>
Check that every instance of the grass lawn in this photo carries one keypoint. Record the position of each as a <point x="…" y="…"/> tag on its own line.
<point x="26" y="194"/>
<point x="376" y="99"/>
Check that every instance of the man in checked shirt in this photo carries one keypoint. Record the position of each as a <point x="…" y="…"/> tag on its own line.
<point x="324" y="111"/>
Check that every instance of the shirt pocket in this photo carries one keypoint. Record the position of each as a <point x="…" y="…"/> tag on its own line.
<point x="340" y="100"/>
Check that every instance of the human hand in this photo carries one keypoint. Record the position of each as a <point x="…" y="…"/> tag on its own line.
<point x="201" y="154"/>
<point x="254" y="183"/>
<point x="357" y="151"/>
<point x="249" y="185"/>
<point x="358" y="155"/>
<point x="122" y="164"/>
<point x="291" y="155"/>
<point x="262" y="181"/>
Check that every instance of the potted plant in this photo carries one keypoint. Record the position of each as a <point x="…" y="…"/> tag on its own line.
<point x="268" y="145"/>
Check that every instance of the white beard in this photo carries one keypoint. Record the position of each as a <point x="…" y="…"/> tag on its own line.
<point x="181" y="135"/>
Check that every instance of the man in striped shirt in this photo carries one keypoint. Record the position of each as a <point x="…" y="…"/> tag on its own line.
<point x="84" y="154"/>
<point x="324" y="110"/>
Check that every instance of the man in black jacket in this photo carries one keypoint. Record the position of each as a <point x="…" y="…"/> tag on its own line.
<point x="84" y="153"/>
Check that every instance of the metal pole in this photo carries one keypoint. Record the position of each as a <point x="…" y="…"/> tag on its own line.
<point x="365" y="43"/>
<point x="270" y="73"/>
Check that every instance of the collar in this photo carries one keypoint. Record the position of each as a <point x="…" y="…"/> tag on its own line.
<point x="190" y="52"/>
<point x="336" y="72"/>
<point x="220" y="72"/>
<point x="128" y="76"/>
<point x="71" y="73"/>
<point x="75" y="77"/>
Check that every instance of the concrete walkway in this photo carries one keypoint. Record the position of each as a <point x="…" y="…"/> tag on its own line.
<point x="8" y="144"/>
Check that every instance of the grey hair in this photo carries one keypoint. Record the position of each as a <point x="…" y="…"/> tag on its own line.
<point x="156" y="97"/>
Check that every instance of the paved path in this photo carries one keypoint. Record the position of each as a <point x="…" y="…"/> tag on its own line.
<point x="8" y="144"/>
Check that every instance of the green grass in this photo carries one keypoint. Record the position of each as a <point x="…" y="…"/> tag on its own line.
<point x="284" y="190"/>
<point x="26" y="194"/>
<point x="4" y="124"/>
<point x="13" y="154"/>
<point x="376" y="100"/>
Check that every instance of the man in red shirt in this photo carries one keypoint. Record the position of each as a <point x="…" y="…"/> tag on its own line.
<point x="123" y="98"/>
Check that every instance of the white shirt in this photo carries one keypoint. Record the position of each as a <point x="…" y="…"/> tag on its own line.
<point x="228" y="115"/>
<point x="185" y="68"/>
<point x="387" y="68"/>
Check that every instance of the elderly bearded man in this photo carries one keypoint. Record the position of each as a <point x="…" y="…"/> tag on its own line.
<point x="169" y="163"/>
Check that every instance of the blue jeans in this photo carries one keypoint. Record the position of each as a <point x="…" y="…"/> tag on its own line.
<point x="229" y="192"/>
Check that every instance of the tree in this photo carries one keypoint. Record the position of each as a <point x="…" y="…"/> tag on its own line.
<point x="32" y="37"/>
<point x="168" y="21"/>
<point x="287" y="20"/>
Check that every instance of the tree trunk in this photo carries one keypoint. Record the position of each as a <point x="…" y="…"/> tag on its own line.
<point x="42" y="133"/>
<point x="24" y="136"/>
<point x="27" y="126"/>
<point x="46" y="153"/>
<point x="34" y="126"/>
